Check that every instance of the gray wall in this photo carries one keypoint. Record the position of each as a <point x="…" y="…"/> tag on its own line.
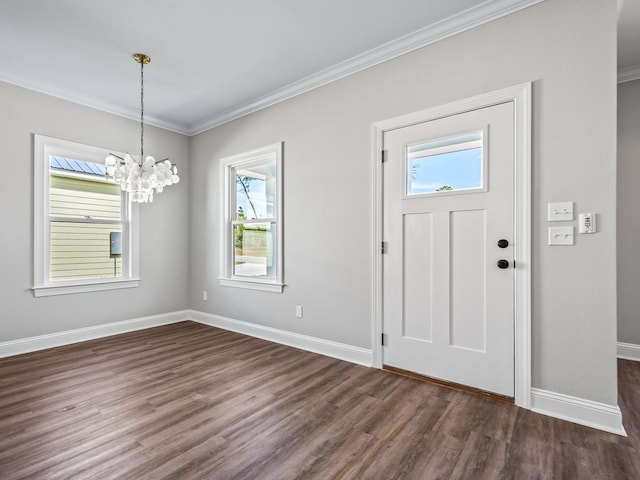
<point x="164" y="225"/>
<point x="567" y="48"/>
<point x="628" y="212"/>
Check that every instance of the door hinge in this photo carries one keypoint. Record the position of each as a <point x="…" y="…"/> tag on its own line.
<point x="382" y="342"/>
<point x="383" y="247"/>
<point x="383" y="155"/>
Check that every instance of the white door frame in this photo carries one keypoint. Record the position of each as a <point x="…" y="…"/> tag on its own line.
<point x="520" y="95"/>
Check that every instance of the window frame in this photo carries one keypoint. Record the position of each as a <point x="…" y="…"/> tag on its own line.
<point x="43" y="285"/>
<point x="228" y="166"/>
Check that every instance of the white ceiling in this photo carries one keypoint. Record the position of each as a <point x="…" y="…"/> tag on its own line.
<point x="215" y="60"/>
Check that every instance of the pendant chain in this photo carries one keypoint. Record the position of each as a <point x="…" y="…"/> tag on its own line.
<point x="141" y="112"/>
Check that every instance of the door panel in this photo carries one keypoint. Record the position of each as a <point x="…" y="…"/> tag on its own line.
<point x="418" y="281"/>
<point x="448" y="198"/>
<point x="467" y="236"/>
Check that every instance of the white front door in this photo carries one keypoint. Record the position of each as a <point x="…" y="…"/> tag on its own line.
<point x="448" y="227"/>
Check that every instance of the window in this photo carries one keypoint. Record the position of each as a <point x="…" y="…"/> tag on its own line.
<point x="252" y="247"/>
<point x="85" y="230"/>
<point x="446" y="165"/>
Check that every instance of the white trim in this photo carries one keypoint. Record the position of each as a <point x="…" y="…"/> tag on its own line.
<point x="578" y="410"/>
<point x="249" y="285"/>
<point x="629" y="74"/>
<point x="377" y="236"/>
<point x="57" y="339"/>
<point x="48" y="88"/>
<point x="268" y="153"/>
<point x="89" y="286"/>
<point x="629" y="351"/>
<point x="522" y="333"/>
<point x="341" y="351"/>
<point x="520" y="95"/>
<point x="43" y="148"/>
<point x="463" y="21"/>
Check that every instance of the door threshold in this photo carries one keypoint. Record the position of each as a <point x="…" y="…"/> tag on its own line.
<point x="451" y="385"/>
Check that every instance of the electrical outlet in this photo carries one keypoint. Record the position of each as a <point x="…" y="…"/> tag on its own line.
<point x="204" y="296"/>
<point x="298" y="311"/>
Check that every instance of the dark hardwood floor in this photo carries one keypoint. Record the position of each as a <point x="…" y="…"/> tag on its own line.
<point x="187" y="401"/>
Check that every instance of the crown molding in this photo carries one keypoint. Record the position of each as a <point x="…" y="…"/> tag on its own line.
<point x="466" y="20"/>
<point x="629" y="74"/>
<point x="52" y="90"/>
<point x="485" y="12"/>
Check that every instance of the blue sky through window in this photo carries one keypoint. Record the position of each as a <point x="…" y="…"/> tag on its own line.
<point x="459" y="170"/>
<point x="256" y="187"/>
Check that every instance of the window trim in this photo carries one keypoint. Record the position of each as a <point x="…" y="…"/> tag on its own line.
<point x="43" y="148"/>
<point x="227" y="165"/>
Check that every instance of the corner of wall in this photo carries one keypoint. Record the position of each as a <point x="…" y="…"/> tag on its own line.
<point x="578" y="410"/>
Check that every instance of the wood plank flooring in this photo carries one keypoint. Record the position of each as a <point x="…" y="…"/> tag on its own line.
<point x="187" y="401"/>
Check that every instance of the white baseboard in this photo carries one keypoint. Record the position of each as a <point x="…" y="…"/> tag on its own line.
<point x="578" y="410"/>
<point x="342" y="351"/>
<point x="629" y="351"/>
<point x="41" y="342"/>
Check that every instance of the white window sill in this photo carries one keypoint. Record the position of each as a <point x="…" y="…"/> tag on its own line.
<point x="65" y="289"/>
<point x="264" y="286"/>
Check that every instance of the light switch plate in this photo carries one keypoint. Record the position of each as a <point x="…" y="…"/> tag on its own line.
<point x="560" y="235"/>
<point x="560" y="212"/>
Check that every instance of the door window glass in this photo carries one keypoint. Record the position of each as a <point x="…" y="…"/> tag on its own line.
<point x="445" y="165"/>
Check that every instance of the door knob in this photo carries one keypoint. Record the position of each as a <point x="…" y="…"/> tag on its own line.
<point x="502" y="263"/>
<point x="503" y="243"/>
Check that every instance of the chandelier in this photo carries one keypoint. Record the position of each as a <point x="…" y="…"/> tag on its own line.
<point x="141" y="177"/>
